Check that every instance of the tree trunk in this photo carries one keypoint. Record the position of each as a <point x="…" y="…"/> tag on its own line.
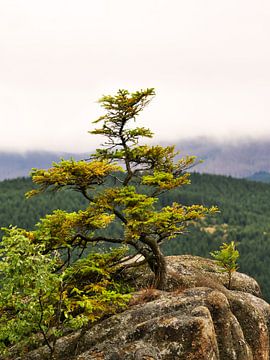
<point x="160" y="280"/>
<point x="158" y="265"/>
<point x="230" y="280"/>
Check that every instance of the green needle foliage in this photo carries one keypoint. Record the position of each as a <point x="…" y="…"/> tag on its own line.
<point x="227" y="258"/>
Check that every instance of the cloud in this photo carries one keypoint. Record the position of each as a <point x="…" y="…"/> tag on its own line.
<point x="208" y="60"/>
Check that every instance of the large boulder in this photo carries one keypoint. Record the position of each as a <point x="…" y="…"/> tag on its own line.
<point x="196" y="317"/>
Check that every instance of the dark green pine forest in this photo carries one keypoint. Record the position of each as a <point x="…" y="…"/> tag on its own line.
<point x="244" y="217"/>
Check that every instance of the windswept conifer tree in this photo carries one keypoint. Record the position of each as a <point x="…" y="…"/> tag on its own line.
<point x="141" y="174"/>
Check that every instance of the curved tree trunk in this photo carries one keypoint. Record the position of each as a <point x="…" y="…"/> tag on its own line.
<point x="158" y="265"/>
<point x="160" y="280"/>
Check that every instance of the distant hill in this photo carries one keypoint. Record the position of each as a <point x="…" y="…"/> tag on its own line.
<point x="237" y="159"/>
<point x="262" y="176"/>
<point x="13" y="165"/>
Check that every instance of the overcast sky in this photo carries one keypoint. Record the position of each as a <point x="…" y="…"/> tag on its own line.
<point x="209" y="61"/>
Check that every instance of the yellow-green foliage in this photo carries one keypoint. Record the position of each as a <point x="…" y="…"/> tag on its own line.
<point x="227" y="258"/>
<point x="79" y="175"/>
<point x="91" y="290"/>
<point x="133" y="199"/>
<point x="165" y="180"/>
<point x="61" y="228"/>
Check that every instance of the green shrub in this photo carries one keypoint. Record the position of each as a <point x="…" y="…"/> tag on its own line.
<point x="39" y="299"/>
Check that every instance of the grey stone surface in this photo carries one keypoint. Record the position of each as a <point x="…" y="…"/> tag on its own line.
<point x="196" y="318"/>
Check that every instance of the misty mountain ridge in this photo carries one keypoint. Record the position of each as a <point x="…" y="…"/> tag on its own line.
<point x="13" y="164"/>
<point x="237" y="159"/>
<point x="261" y="176"/>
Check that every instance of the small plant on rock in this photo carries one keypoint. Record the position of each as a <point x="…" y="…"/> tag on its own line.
<point x="226" y="258"/>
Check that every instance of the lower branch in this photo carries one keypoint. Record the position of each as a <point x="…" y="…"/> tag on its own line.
<point x="41" y="328"/>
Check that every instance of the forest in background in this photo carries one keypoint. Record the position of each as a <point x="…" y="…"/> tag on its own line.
<point x="243" y="218"/>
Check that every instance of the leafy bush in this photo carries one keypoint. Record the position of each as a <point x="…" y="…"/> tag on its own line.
<point x="39" y="299"/>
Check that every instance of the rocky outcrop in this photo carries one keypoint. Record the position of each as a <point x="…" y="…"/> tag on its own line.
<point x="197" y="317"/>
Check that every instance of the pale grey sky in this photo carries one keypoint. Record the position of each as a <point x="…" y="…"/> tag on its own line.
<point x="209" y="62"/>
